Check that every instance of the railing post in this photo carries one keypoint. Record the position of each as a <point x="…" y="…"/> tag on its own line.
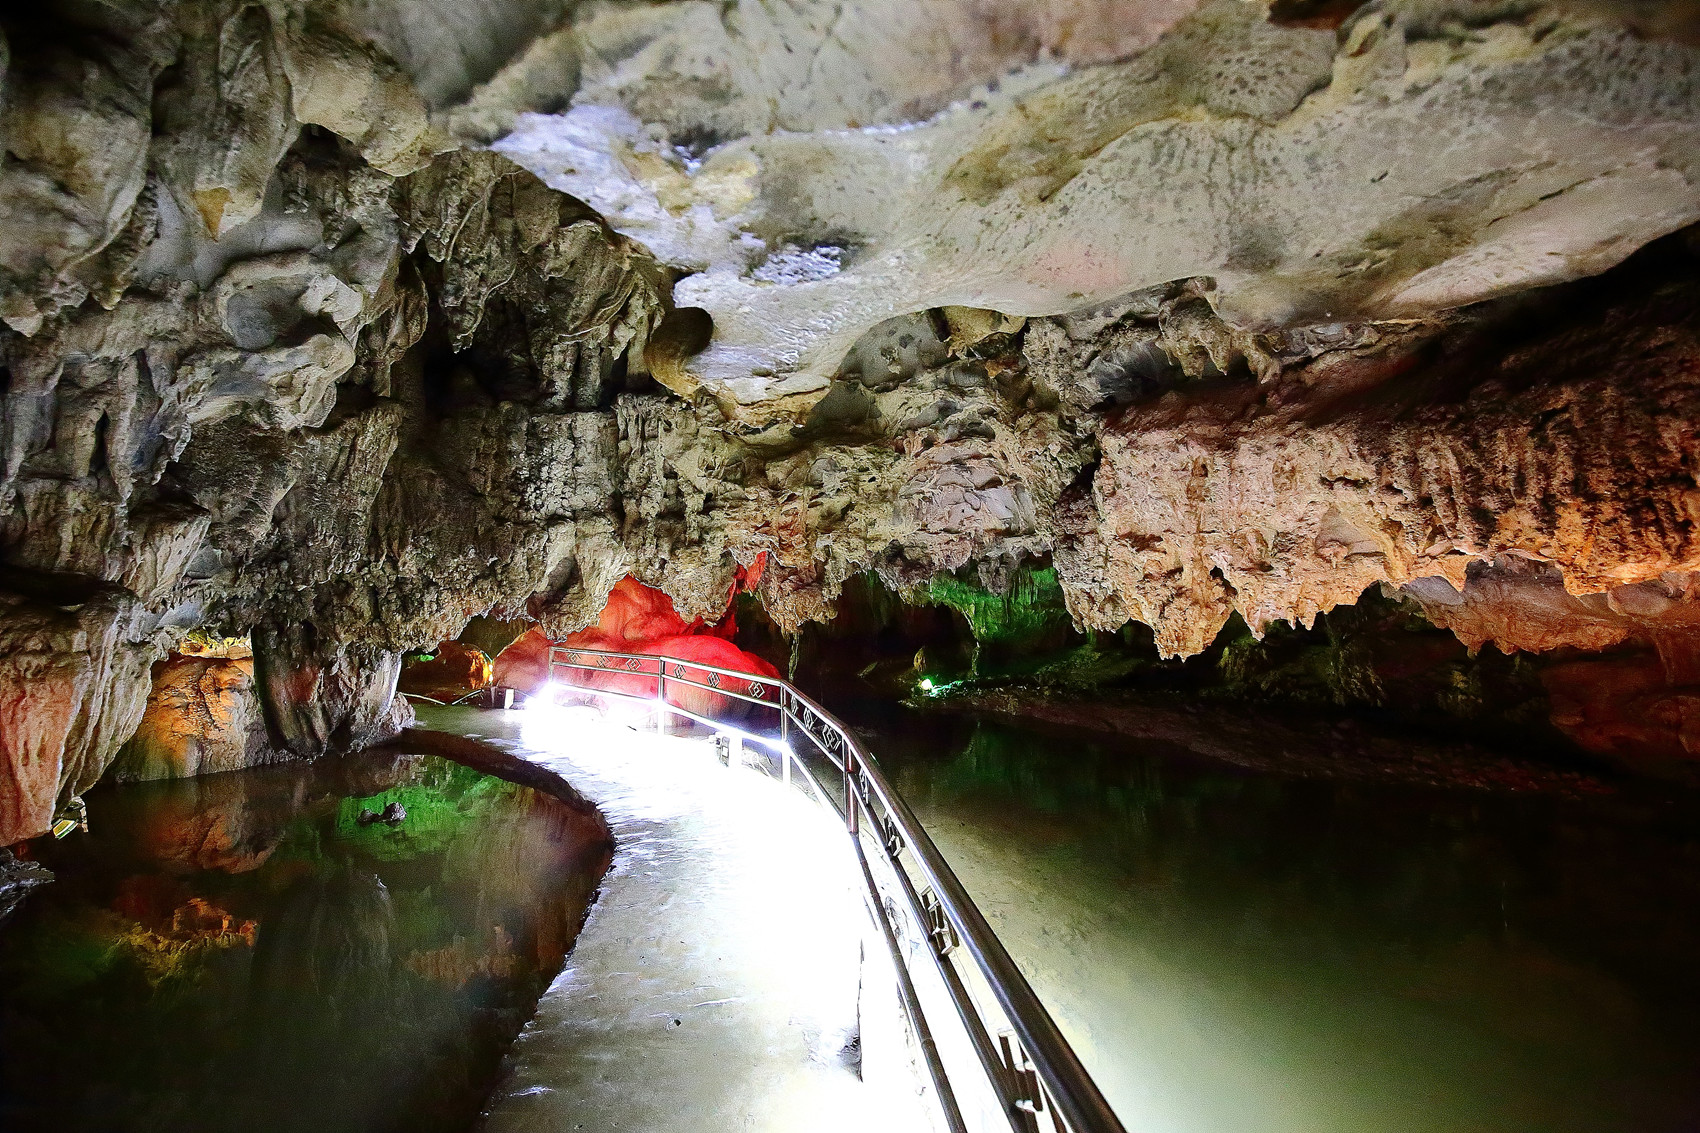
<point x="850" y="817"/>
<point x="661" y="698"/>
<point x="784" y="737"/>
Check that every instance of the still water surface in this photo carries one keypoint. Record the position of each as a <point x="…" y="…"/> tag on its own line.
<point x="1241" y="953"/>
<point x="240" y="952"/>
<point x="1230" y="952"/>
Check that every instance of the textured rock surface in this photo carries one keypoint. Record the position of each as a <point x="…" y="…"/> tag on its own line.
<point x="1165" y="292"/>
<point x="202" y="717"/>
<point x="1577" y="450"/>
<point x="73" y="686"/>
<point x="1307" y="172"/>
<point x="18" y="879"/>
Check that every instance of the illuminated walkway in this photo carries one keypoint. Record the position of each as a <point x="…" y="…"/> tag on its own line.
<point x="720" y="980"/>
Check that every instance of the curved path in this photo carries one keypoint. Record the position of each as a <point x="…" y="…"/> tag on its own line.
<point x="727" y="977"/>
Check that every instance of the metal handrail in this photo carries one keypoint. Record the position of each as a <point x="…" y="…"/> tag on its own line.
<point x="1039" y="1066"/>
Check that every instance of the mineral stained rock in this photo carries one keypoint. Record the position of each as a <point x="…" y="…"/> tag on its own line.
<point x="202" y="716"/>
<point x="1422" y="157"/>
<point x="1283" y="499"/>
<point x="1214" y="312"/>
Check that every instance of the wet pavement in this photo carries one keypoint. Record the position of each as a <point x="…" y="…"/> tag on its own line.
<point x="727" y="977"/>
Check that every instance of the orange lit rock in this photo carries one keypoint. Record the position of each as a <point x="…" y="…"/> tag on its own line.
<point x="206" y="645"/>
<point x="1518" y="604"/>
<point x="453" y="672"/>
<point x="1638" y="705"/>
<point x="202" y="717"/>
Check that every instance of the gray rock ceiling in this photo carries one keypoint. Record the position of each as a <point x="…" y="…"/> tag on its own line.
<point x="341" y="322"/>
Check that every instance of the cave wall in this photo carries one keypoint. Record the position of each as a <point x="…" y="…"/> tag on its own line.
<point x="226" y="228"/>
<point x="286" y="354"/>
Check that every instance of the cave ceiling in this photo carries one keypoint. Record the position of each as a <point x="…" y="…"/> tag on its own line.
<point x="339" y="322"/>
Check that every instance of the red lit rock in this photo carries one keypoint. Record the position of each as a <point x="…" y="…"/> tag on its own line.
<point x="638" y="619"/>
<point x="704" y="649"/>
<point x="72" y="688"/>
<point x="524" y="664"/>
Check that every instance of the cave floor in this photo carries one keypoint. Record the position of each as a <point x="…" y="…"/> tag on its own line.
<point x="727" y="976"/>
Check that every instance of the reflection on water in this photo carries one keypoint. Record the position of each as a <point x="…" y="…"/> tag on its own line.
<point x="1239" y="952"/>
<point x="241" y="952"/>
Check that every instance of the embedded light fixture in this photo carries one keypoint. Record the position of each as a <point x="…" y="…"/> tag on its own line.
<point x="74" y="816"/>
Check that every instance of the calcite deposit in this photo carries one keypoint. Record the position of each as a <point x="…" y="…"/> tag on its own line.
<point x="335" y="324"/>
<point x="1286" y="497"/>
<point x="1417" y="159"/>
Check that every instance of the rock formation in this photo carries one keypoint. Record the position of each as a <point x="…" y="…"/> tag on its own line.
<point x="448" y="672"/>
<point x="1286" y="497"/>
<point x="338" y="324"/>
<point x="639" y="620"/>
<point x="202" y="717"/>
<point x="1302" y="170"/>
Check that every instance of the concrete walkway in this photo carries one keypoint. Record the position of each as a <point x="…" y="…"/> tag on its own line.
<point x="728" y="976"/>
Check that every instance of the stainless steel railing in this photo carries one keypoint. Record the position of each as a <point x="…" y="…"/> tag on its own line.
<point x="1032" y="1072"/>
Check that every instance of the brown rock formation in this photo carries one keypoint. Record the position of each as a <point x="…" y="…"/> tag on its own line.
<point x="1630" y="707"/>
<point x="321" y="698"/>
<point x="1639" y="702"/>
<point x="453" y="671"/>
<point x="202" y="717"/>
<point x="1575" y="449"/>
<point x="208" y="285"/>
<point x="1517" y="603"/>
